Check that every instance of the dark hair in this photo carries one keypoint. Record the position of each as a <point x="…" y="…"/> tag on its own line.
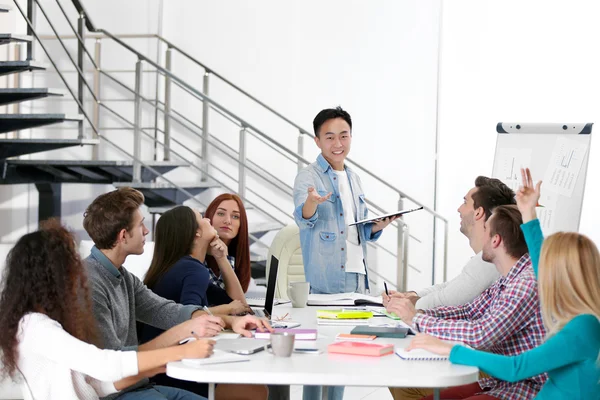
<point x="239" y="245"/>
<point x="173" y="238"/>
<point x="490" y="193"/>
<point x="110" y="213"/>
<point x="330" y="113"/>
<point x="507" y="223"/>
<point x="44" y="274"/>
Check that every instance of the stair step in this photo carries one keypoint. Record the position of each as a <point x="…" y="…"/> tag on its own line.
<point x="158" y="194"/>
<point x="12" y="67"/>
<point x="257" y="258"/>
<point x="260" y="229"/>
<point x="5" y="8"/>
<point x="16" y="95"/>
<point x="78" y="171"/>
<point x="6" y="38"/>
<point x="16" y="122"/>
<point x="18" y="147"/>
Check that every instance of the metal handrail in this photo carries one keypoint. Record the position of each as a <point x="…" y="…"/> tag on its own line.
<point x="85" y="114"/>
<point x="210" y="103"/>
<point x="106" y="34"/>
<point x="95" y="129"/>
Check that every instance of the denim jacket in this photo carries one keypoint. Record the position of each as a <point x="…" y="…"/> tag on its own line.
<point x="323" y="236"/>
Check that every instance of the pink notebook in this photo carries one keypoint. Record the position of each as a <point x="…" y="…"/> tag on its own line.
<point x="301" y="334"/>
<point x="361" y="348"/>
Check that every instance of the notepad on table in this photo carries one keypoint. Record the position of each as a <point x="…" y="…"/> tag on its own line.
<point x="419" y="354"/>
<point x="361" y="348"/>
<point x="299" y="334"/>
<point x="218" y="357"/>
<point x="344" y="314"/>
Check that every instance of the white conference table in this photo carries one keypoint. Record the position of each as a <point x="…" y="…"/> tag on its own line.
<point x="328" y="369"/>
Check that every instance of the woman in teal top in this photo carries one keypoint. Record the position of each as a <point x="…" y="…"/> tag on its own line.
<point x="566" y="266"/>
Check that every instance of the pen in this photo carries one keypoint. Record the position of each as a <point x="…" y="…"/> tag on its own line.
<point x="539" y="205"/>
<point x="386" y="290"/>
<point x="207" y="310"/>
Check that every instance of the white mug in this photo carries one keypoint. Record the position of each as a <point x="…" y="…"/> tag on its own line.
<point x="298" y="293"/>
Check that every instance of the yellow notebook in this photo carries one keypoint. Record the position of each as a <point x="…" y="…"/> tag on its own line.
<point x="344" y="314"/>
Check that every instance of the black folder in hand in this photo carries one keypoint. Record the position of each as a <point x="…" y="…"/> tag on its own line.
<point x="397" y="213"/>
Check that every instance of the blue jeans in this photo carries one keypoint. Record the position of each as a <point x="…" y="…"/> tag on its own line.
<point x="160" y="393"/>
<point x="316" y="393"/>
<point x="355" y="283"/>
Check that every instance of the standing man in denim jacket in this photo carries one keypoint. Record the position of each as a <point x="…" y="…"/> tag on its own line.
<point x="328" y="196"/>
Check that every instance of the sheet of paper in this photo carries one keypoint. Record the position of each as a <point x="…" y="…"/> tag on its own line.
<point x="564" y="166"/>
<point x="508" y="165"/>
<point x="546" y="213"/>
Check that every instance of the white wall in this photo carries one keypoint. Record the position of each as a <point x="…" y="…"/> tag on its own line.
<point x="376" y="59"/>
<point x="533" y="61"/>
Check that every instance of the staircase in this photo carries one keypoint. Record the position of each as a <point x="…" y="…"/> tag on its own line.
<point x="49" y="174"/>
<point x="199" y="148"/>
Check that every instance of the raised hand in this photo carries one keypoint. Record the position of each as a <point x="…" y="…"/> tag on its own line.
<point x="430" y="343"/>
<point x="315" y="198"/>
<point x="527" y="196"/>
<point x="201" y="348"/>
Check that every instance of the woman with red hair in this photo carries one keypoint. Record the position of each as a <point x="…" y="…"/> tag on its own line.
<point x="231" y="274"/>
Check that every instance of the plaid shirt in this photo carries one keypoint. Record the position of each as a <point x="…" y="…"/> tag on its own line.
<point x="218" y="280"/>
<point x="505" y="319"/>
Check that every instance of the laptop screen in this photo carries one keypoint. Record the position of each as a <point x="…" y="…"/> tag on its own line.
<point x="271" y="285"/>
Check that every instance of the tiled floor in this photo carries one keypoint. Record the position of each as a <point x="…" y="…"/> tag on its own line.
<point x="351" y="393"/>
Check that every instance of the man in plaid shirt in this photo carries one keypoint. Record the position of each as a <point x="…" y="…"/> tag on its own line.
<point x="505" y="319"/>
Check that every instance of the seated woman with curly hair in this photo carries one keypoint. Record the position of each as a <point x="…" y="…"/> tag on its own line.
<point x="47" y="327"/>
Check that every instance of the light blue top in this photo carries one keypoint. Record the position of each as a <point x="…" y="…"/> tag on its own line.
<point x="570" y="357"/>
<point x="323" y="236"/>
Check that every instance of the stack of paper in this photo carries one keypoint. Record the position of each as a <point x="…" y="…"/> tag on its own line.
<point x="299" y="334"/>
<point x="344" y="314"/>
<point x="353" y="337"/>
<point x="344" y="322"/>
<point x="218" y="357"/>
<point x="343" y="299"/>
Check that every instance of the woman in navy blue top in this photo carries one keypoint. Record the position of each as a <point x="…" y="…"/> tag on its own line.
<point x="178" y="272"/>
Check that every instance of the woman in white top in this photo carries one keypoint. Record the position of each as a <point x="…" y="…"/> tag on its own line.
<point x="47" y="326"/>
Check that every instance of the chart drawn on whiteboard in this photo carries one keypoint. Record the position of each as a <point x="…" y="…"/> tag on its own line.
<point x="564" y="166"/>
<point x="509" y="162"/>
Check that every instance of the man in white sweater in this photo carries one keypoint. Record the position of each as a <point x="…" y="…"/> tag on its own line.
<point x="477" y="275"/>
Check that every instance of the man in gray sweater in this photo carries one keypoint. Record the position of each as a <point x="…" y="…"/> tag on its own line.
<point x="477" y="275"/>
<point x="116" y="225"/>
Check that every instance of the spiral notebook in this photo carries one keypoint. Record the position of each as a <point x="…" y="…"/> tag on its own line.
<point x="419" y="354"/>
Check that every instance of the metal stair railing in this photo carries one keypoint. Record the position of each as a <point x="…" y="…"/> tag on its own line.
<point x="247" y="128"/>
<point x="95" y="129"/>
